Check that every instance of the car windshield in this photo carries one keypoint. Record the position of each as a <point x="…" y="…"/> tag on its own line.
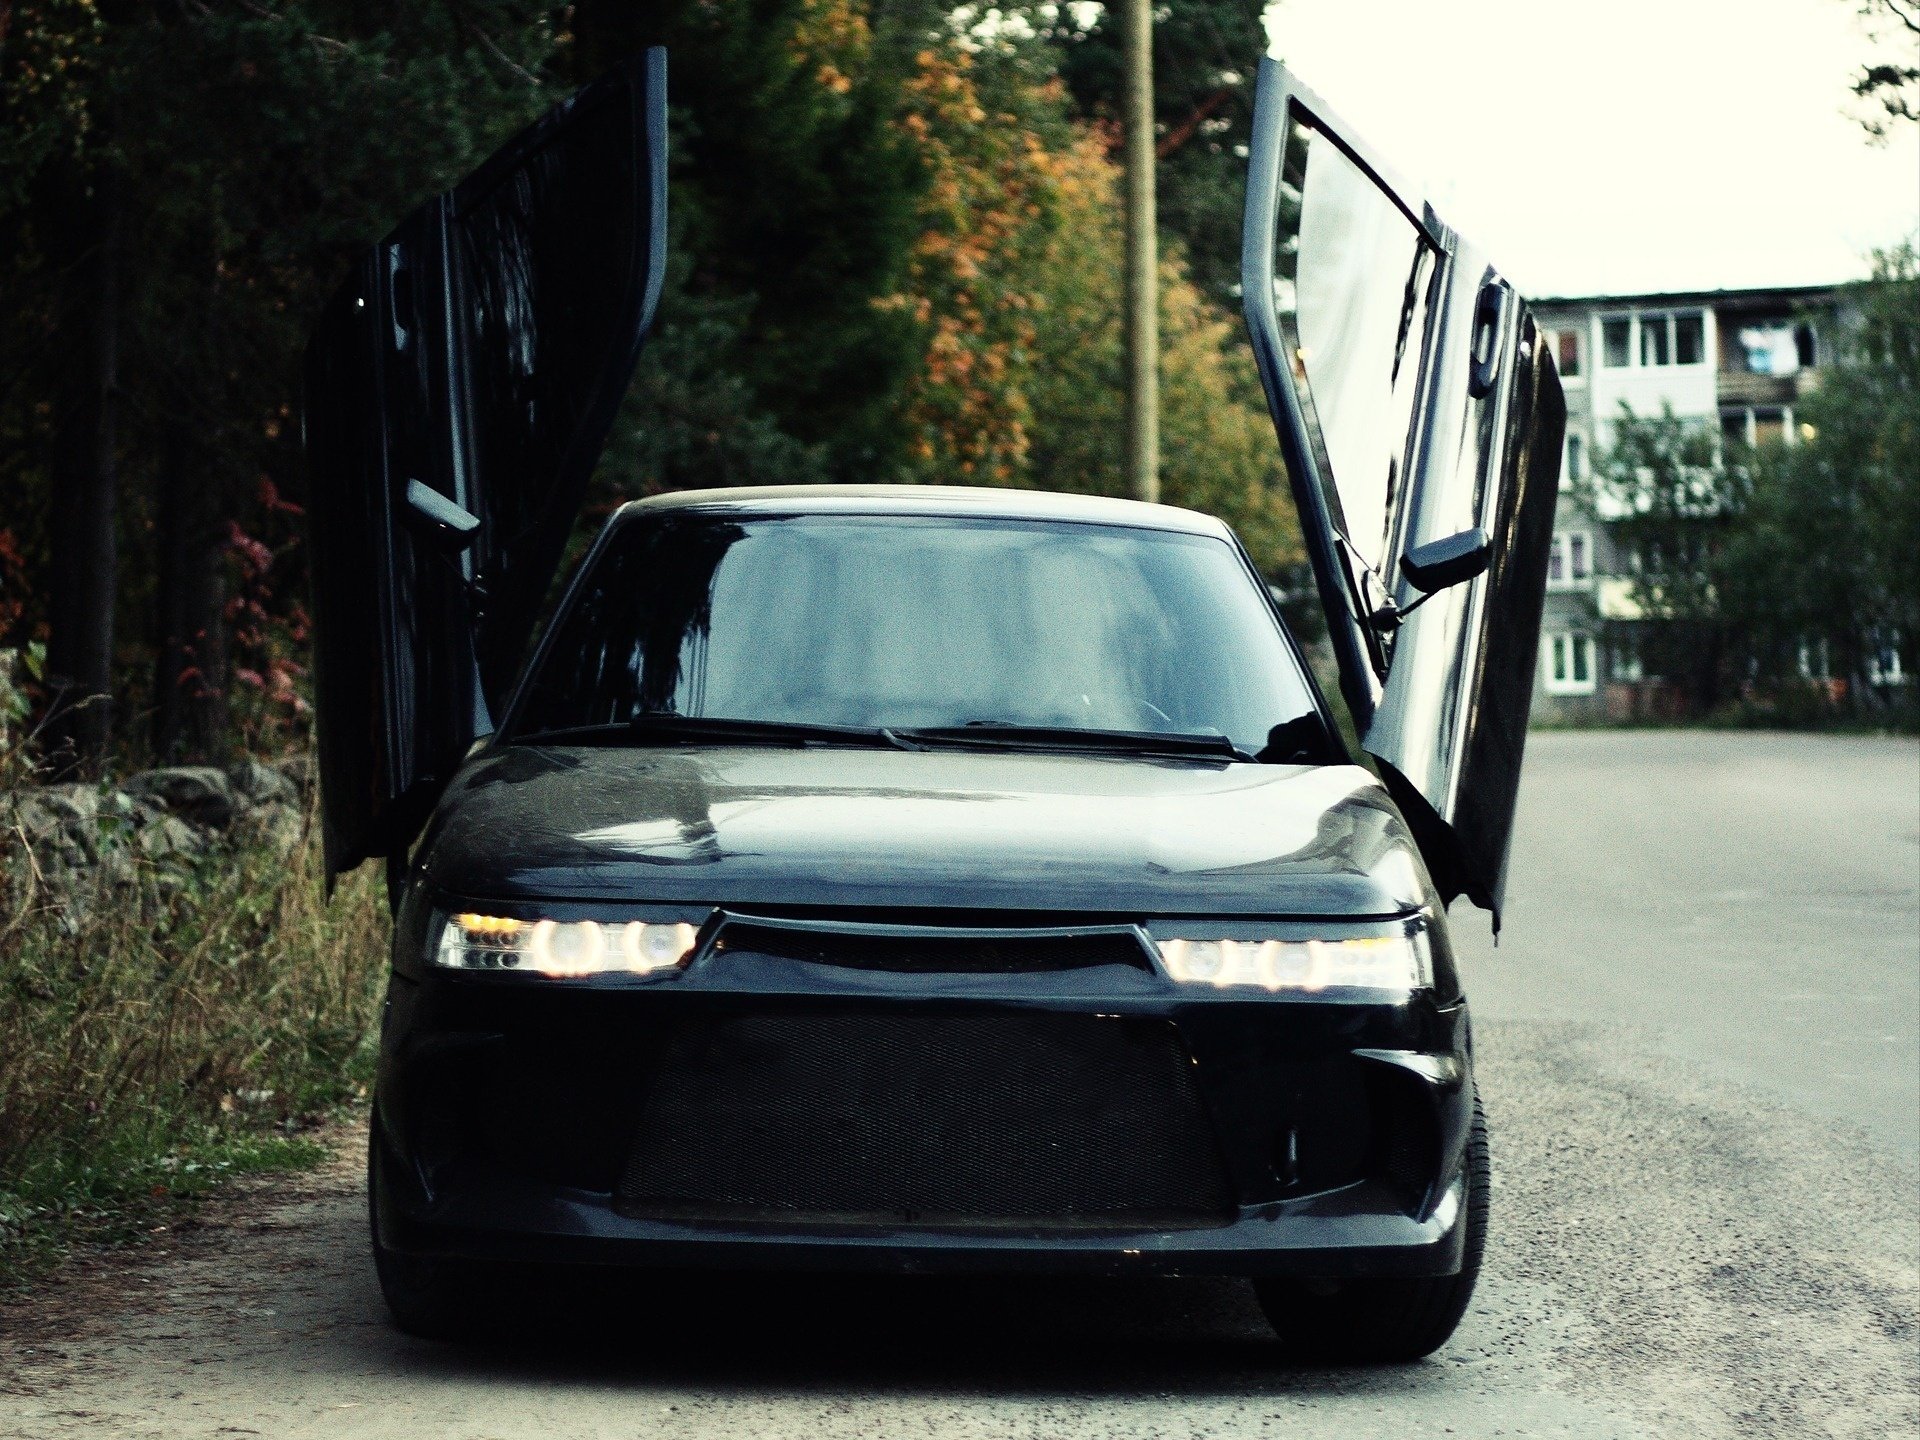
<point x="915" y="623"/>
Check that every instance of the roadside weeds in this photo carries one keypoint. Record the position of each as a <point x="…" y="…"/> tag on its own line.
<point x="164" y="1037"/>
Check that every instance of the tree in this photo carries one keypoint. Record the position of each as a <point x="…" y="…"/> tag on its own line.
<point x="1013" y="281"/>
<point x="1669" y="504"/>
<point x="793" y="193"/>
<point x="1889" y="85"/>
<point x="68" y="279"/>
<point x="165" y="244"/>
<point x="991" y="144"/>
<point x="886" y="263"/>
<point x="1828" y="551"/>
<point x="1218" y="451"/>
<point x="1205" y="54"/>
<point x="1746" y="561"/>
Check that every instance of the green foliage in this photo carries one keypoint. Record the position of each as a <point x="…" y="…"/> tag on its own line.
<point x="1888" y="83"/>
<point x="1218" y="452"/>
<point x="229" y="205"/>
<point x="792" y="202"/>
<point x="868" y="280"/>
<point x="1669" y="503"/>
<point x="159" y="1037"/>
<point x="1205" y="53"/>
<point x="1666" y="497"/>
<point x="1747" y="560"/>
<point x="1829" y="553"/>
<point x="1011" y="282"/>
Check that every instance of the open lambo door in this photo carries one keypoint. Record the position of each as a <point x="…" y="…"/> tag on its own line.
<point x="460" y="388"/>
<point x="1421" y="423"/>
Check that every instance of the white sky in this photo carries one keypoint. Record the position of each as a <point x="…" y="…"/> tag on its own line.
<point x="1621" y="145"/>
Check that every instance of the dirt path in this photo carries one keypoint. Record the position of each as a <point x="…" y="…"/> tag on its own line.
<point x="1672" y="1258"/>
<point x="1697" y="1044"/>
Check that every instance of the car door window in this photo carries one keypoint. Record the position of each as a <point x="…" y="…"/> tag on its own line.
<point x="550" y="255"/>
<point x="1353" y="279"/>
<point x="1416" y="403"/>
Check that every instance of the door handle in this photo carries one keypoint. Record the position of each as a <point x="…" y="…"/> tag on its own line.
<point x="1489" y="320"/>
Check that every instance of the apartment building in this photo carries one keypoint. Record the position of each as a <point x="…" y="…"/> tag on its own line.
<point x="1737" y="359"/>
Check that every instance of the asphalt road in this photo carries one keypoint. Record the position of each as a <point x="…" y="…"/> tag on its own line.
<point x="1751" y="903"/>
<point x="1699" y="1040"/>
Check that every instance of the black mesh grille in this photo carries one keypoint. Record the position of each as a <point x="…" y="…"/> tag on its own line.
<point x="934" y="1120"/>
<point x="935" y="954"/>
<point x="1406" y="1144"/>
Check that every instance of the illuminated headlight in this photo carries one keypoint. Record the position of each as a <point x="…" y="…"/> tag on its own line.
<point x="1398" y="963"/>
<point x="563" y="948"/>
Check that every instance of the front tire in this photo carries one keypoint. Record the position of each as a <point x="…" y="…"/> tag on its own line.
<point x="430" y="1299"/>
<point x="1387" y="1321"/>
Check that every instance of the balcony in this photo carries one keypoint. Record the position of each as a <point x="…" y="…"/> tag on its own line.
<point x="1744" y="387"/>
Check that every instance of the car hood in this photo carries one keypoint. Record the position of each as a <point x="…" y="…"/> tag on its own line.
<point x="921" y="829"/>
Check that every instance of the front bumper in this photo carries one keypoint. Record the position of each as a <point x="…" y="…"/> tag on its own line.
<point x="507" y="1113"/>
<point x="489" y="1217"/>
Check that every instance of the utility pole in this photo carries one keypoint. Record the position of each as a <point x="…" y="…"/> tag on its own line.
<point x="1142" y="305"/>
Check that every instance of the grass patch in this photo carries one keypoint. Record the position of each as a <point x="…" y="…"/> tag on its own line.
<point x="171" y="1031"/>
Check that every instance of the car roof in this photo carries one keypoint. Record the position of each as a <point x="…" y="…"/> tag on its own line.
<point x="947" y="500"/>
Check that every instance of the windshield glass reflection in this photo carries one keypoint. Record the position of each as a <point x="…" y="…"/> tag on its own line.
<point x="919" y="622"/>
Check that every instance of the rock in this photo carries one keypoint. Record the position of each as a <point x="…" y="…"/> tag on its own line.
<point x="115" y="870"/>
<point x="25" y="817"/>
<point x="263" y="784"/>
<point x="300" y="769"/>
<point x="67" y="802"/>
<point x="60" y="823"/>
<point x="198" y="793"/>
<point x="71" y="843"/>
<point x="167" y="836"/>
<point x="275" y="827"/>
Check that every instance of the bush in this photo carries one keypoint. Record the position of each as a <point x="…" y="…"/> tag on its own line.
<point x="173" y="1030"/>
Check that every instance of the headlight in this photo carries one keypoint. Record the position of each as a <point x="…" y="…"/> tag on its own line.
<point x="1384" y="962"/>
<point x="563" y="948"/>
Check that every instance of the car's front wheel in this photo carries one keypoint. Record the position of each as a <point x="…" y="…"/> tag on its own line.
<point x="1386" y="1321"/>
<point x="428" y="1298"/>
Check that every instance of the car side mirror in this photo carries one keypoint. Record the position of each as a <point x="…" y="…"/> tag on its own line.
<point x="1441" y="563"/>
<point x="449" y="527"/>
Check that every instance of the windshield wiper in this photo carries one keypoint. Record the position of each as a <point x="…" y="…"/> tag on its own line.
<point x="666" y="728"/>
<point x="993" y="734"/>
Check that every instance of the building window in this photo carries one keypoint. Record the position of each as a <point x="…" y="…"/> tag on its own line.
<point x="1654" y="340"/>
<point x="1772" y="349"/>
<point x="1569" y="664"/>
<point x="1567" y="342"/>
<point x="1689" y="339"/>
<point x="1624" y="663"/>
<point x="1616" y="340"/>
<point x="1883" y="666"/>
<point x="1573" y="461"/>
<point x="1570" y="561"/>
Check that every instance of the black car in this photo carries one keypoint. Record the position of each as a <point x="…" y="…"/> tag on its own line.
<point x="924" y="879"/>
